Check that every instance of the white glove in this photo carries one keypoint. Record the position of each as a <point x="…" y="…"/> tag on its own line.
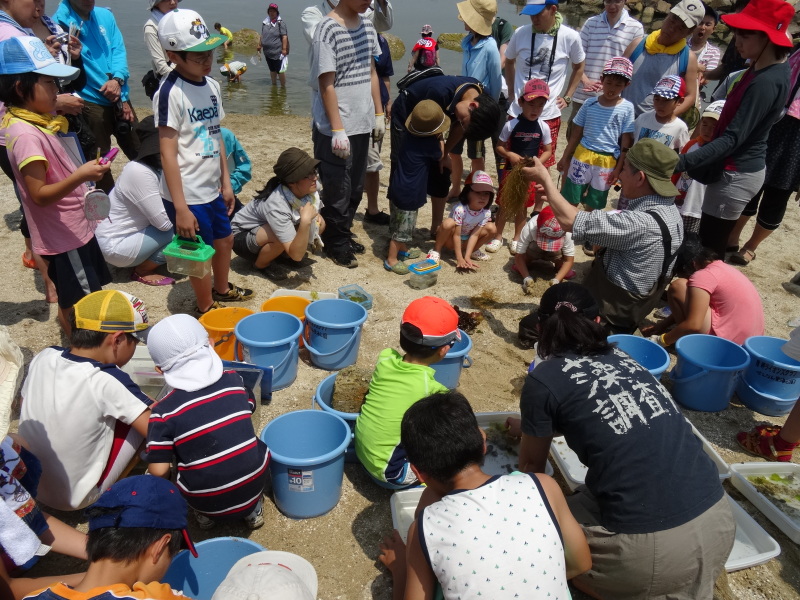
<point x="340" y="143"/>
<point x="526" y="284"/>
<point x="380" y="128"/>
<point x="554" y="281"/>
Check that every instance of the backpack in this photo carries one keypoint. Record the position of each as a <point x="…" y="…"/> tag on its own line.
<point x="415" y="76"/>
<point x="426" y="57"/>
<point x="683" y="58"/>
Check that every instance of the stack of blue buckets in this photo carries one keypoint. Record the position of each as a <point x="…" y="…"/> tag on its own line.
<point x="771" y="384"/>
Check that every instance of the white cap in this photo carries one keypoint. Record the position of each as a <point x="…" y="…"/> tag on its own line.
<point x="180" y="347"/>
<point x="184" y="30"/>
<point x="714" y="110"/>
<point x="792" y="347"/>
<point x="269" y="575"/>
<point x="691" y="12"/>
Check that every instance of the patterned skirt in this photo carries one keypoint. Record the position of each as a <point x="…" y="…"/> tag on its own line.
<point x="783" y="154"/>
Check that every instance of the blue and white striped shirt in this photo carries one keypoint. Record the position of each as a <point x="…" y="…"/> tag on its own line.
<point x="602" y="125"/>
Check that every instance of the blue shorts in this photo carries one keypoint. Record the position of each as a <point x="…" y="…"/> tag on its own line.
<point x="212" y="218"/>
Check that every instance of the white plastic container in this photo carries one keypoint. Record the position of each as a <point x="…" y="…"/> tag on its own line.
<point x="142" y="371"/>
<point x="752" y="546"/>
<point x="423" y="274"/>
<point x="741" y="471"/>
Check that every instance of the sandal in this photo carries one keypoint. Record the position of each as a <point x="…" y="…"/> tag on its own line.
<point x="760" y="441"/>
<point x="399" y="267"/>
<point x="410" y="253"/>
<point x="163" y="281"/>
<point x="213" y="306"/>
<point x="234" y="294"/>
<point x="743" y="258"/>
<point x="494" y="245"/>
<point x="28" y="262"/>
<point x="479" y="255"/>
<point x="434" y="256"/>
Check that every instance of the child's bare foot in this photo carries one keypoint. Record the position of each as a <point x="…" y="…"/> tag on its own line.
<point x="393" y="553"/>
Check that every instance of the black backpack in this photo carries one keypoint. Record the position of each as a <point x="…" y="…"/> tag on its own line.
<point x="415" y="76"/>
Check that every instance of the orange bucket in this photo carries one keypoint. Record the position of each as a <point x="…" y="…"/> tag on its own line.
<point x="219" y="323"/>
<point x="294" y="305"/>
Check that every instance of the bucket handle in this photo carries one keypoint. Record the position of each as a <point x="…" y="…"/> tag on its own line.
<point x="325" y="354"/>
<point x="466" y="362"/>
<point x="223" y="339"/>
<point x="274" y="367"/>
<point x="677" y="379"/>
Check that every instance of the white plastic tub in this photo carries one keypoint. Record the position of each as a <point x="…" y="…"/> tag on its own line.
<point x="303" y="294"/>
<point x="498" y="462"/>
<point x="741" y="471"/>
<point x="753" y="546"/>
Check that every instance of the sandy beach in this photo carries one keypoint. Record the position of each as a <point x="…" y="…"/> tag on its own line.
<point x="343" y="544"/>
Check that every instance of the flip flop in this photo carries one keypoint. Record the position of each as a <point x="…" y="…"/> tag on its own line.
<point x="28" y="262"/>
<point x="163" y="281"/>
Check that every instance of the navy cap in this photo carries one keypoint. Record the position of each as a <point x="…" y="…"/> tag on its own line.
<point x="142" y="501"/>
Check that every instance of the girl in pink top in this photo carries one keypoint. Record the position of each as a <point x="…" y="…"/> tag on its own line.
<point x="709" y="297"/>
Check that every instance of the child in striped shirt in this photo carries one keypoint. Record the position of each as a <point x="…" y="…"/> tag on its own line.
<point x="593" y="158"/>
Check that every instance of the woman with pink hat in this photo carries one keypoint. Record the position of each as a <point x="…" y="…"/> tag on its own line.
<point x="274" y="42"/>
<point x="733" y="164"/>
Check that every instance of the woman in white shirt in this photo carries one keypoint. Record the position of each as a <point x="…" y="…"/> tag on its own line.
<point x="137" y="228"/>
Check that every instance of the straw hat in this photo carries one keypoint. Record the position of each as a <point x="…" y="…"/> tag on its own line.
<point x="11" y="363"/>
<point x="478" y="15"/>
<point x="427" y="119"/>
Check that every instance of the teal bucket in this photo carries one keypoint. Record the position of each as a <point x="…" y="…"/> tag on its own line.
<point x="333" y="332"/>
<point x="771" y="372"/>
<point x="322" y="398"/>
<point x="307" y="450"/>
<point x="448" y="370"/>
<point x="199" y="578"/>
<point x="706" y="372"/>
<point x="648" y="354"/>
<point x="270" y="339"/>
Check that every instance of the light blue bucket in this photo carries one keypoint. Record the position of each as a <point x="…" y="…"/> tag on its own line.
<point x="333" y="332"/>
<point x="448" y="370"/>
<point x="270" y="339"/>
<point x="322" y="398"/>
<point x="648" y="354"/>
<point x="307" y="461"/>
<point x="760" y="402"/>
<point x="199" y="578"/>
<point x="706" y="372"/>
<point x="772" y="372"/>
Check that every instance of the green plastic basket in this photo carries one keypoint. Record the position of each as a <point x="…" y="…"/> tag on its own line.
<point x="189" y="257"/>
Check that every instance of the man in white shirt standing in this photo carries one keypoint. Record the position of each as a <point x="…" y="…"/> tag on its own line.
<point x="603" y="37"/>
<point x="544" y="50"/>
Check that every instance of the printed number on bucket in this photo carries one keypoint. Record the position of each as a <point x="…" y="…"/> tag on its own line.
<point x="301" y="481"/>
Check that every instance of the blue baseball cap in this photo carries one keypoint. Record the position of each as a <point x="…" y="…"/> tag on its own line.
<point x="141" y="501"/>
<point x="28" y="54"/>
<point x="534" y="7"/>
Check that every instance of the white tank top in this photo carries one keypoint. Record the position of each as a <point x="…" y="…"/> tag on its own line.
<point x="501" y="540"/>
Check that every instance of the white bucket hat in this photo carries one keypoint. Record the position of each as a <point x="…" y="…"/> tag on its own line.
<point x="269" y="575"/>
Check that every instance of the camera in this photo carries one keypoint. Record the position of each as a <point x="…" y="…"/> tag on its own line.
<point x="63" y="38"/>
<point x="121" y="126"/>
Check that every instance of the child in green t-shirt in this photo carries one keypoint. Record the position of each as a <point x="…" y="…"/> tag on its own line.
<point x="429" y="329"/>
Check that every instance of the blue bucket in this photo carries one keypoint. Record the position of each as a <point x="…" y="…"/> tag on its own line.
<point x="448" y="370"/>
<point x="706" y="372"/>
<point x="333" y="332"/>
<point x="648" y="354"/>
<point x="322" y="398"/>
<point x="270" y="339"/>
<point x="307" y="460"/>
<point x="771" y="372"/>
<point x="200" y="577"/>
<point x="761" y="402"/>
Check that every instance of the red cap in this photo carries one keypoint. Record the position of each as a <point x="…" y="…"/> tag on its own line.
<point x="535" y="88"/>
<point x="435" y="319"/>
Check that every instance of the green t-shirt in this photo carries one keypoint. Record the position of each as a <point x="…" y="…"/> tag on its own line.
<point x="395" y="385"/>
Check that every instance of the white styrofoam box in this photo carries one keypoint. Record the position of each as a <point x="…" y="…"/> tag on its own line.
<point x="497" y="462"/>
<point x="574" y="471"/>
<point x="304" y="294"/>
<point x="404" y="504"/>
<point x="752" y="546"/>
<point x="741" y="471"/>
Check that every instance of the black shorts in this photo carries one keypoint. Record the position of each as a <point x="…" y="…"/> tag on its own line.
<point x="78" y="273"/>
<point x="274" y="64"/>
<point x="242" y="248"/>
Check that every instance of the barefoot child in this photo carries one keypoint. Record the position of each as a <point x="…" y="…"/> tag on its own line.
<point x="468" y="227"/>
<point x="524" y="137"/>
<point x="49" y="171"/>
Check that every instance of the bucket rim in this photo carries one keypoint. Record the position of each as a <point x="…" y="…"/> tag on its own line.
<point x="229" y="538"/>
<point x="743" y="382"/>
<point x="327" y="407"/>
<point x="750" y="350"/>
<point x="245" y="340"/>
<point x="458" y="353"/>
<point x="691" y="337"/>
<point x="317" y="460"/>
<point x="349" y="303"/>
<point x="211" y="314"/>
<point x="615" y="338"/>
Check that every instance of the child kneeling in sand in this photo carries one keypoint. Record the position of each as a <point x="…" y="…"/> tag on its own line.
<point x="204" y="423"/>
<point x="429" y="329"/>
<point x="497" y="536"/>
<point x="543" y="239"/>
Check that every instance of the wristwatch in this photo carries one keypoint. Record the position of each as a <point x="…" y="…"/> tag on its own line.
<point x="121" y="81"/>
<point x="567" y="99"/>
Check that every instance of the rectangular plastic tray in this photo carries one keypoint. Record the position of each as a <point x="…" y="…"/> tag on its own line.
<point x="743" y="470"/>
<point x="353" y="291"/>
<point x="501" y="463"/>
<point x="142" y="371"/>
<point x="752" y="546"/>
<point x="304" y="294"/>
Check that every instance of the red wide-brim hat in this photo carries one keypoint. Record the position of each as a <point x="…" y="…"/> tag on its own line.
<point x="770" y="16"/>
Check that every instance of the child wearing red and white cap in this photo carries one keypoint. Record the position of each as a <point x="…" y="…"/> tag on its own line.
<point x="543" y="239"/>
<point x="662" y="123"/>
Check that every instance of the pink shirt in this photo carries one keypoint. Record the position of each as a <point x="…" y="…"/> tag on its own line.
<point x="61" y="226"/>
<point x="736" y="309"/>
<point x="794" y="107"/>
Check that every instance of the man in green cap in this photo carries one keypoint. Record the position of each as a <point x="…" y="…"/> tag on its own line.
<point x="638" y="245"/>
